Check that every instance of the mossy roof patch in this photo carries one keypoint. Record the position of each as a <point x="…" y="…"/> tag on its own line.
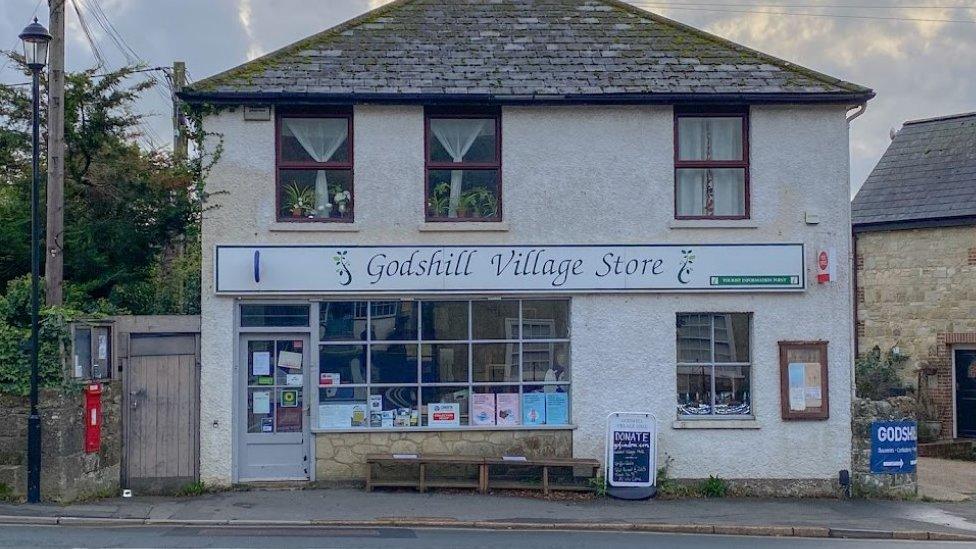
<point x="537" y="48"/>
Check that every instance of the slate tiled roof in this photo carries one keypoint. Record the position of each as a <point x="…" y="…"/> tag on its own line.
<point x="511" y="49"/>
<point x="928" y="173"/>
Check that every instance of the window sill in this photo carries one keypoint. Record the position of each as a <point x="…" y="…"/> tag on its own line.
<point x="713" y="224"/>
<point x="715" y="424"/>
<point x="569" y="427"/>
<point x="463" y="227"/>
<point x="323" y="227"/>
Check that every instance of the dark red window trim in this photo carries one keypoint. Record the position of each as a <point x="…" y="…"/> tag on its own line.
<point x="429" y="165"/>
<point x="281" y="165"/>
<point x="736" y="112"/>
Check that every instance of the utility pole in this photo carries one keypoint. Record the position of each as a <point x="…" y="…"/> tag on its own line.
<point x="54" y="239"/>
<point x="180" y="144"/>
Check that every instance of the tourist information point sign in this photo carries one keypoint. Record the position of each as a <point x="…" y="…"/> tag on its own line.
<point x="631" y="463"/>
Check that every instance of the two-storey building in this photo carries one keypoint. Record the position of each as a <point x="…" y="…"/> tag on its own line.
<point x="480" y="227"/>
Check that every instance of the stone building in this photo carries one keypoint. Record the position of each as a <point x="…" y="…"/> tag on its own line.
<point x="371" y="285"/>
<point x="914" y="224"/>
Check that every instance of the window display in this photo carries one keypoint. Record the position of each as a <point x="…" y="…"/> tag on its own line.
<point x="443" y="363"/>
<point x="714" y="364"/>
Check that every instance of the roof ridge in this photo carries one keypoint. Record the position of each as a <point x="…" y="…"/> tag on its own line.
<point x="940" y="118"/>
<point x="259" y="62"/>
<point x="782" y="63"/>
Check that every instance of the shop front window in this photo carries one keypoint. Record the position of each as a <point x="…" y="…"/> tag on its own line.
<point x="443" y="364"/>
<point x="714" y="364"/>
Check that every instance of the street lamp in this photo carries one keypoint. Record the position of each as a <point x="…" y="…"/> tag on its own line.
<point x="36" y="39"/>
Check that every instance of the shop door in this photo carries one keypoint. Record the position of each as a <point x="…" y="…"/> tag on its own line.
<point x="965" y="361"/>
<point x="274" y="428"/>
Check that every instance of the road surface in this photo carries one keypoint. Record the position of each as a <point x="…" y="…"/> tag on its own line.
<point x="405" y="538"/>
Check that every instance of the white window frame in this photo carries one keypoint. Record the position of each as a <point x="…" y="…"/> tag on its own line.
<point x="517" y="342"/>
<point x="712" y="363"/>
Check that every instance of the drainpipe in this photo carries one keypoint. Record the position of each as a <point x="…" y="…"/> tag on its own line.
<point x="860" y="110"/>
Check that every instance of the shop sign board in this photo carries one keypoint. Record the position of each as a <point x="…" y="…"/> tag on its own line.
<point x="631" y="455"/>
<point x="340" y="269"/>
<point x="894" y="447"/>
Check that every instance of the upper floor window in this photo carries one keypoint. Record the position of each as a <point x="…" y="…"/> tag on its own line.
<point x="711" y="162"/>
<point x="463" y="166"/>
<point x="314" y="161"/>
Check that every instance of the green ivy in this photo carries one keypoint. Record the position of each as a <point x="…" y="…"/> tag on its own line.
<point x="55" y="339"/>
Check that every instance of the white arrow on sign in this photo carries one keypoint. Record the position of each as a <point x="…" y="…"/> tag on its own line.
<point x="898" y="463"/>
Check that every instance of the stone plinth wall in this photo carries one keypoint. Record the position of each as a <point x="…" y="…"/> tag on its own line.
<point x="916" y="290"/>
<point x="67" y="472"/>
<point x="865" y="412"/>
<point x="341" y="457"/>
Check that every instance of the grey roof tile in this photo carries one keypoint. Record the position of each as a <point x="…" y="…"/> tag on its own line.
<point x="927" y="173"/>
<point x="553" y="46"/>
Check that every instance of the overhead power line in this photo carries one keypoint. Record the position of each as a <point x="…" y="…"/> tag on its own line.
<point x="686" y="7"/>
<point x="819" y="6"/>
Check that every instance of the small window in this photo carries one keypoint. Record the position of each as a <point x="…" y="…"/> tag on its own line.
<point x="315" y="168"/>
<point x="711" y="166"/>
<point x="273" y="316"/>
<point x="463" y="167"/>
<point x="714" y="364"/>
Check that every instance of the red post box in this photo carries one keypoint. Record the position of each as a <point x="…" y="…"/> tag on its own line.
<point x="93" y="417"/>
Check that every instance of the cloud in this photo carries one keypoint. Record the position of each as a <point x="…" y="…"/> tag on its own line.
<point x="918" y="68"/>
<point x="254" y="49"/>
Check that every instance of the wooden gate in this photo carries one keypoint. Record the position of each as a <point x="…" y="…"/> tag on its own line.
<point x="160" y="362"/>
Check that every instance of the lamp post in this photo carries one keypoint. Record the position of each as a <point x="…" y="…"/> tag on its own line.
<point x="36" y="39"/>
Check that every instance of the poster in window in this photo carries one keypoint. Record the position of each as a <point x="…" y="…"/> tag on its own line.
<point x="290" y="360"/>
<point x="507" y="412"/>
<point x="557" y="408"/>
<point x="483" y="409"/>
<point x="534" y="409"/>
<point x="444" y="414"/>
<point x="803" y="384"/>
<point x="261" y="402"/>
<point x="261" y="363"/>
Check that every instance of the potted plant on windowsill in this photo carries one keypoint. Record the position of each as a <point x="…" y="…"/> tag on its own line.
<point x="341" y="199"/>
<point x="478" y="203"/>
<point x="439" y="201"/>
<point x="298" y="200"/>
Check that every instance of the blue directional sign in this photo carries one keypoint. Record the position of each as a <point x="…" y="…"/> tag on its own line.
<point x="894" y="447"/>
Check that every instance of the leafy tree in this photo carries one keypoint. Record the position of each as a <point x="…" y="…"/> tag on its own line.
<point x="132" y="215"/>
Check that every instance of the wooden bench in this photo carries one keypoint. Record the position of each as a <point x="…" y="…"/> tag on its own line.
<point x="483" y="484"/>
<point x="546" y="464"/>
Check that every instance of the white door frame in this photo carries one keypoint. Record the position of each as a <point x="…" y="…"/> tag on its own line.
<point x="240" y="393"/>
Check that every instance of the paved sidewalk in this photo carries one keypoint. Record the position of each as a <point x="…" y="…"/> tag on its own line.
<point x="813" y="518"/>
<point x="947" y="480"/>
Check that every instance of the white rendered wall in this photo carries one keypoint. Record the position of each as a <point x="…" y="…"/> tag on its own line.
<point x="578" y="175"/>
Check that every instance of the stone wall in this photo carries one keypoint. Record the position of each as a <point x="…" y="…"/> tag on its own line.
<point x="341" y="457"/>
<point x="916" y="290"/>
<point x="67" y="472"/>
<point x="865" y="483"/>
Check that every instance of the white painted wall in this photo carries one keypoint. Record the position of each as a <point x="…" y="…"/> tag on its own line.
<point x="579" y="175"/>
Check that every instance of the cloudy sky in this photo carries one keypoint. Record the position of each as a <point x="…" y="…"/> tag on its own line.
<point x="919" y="62"/>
